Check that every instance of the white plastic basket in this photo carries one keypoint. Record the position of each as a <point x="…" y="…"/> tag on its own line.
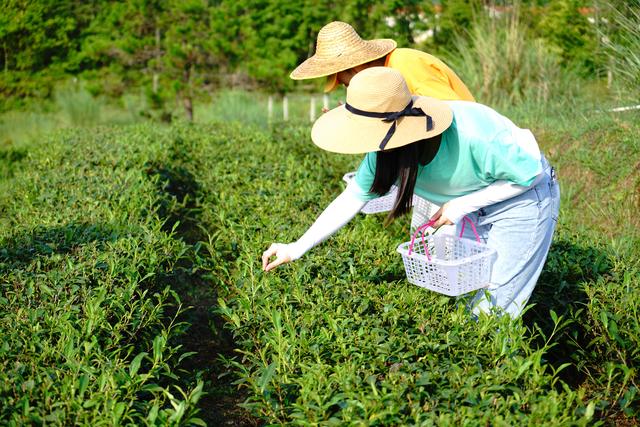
<point x="423" y="210"/>
<point x="380" y="204"/>
<point x="447" y="264"/>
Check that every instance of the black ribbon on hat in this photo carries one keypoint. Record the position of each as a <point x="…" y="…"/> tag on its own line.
<point x="409" y="110"/>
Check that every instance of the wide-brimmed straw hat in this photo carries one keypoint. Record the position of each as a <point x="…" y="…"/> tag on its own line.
<point x="380" y="114"/>
<point x="339" y="48"/>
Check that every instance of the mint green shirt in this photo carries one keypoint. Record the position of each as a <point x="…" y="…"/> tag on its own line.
<point x="480" y="147"/>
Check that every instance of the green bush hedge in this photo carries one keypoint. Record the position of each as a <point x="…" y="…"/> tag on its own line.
<point x="88" y="318"/>
<point x="339" y="337"/>
<point x="100" y="227"/>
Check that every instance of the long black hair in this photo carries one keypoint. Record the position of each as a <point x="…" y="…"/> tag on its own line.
<point x="401" y="165"/>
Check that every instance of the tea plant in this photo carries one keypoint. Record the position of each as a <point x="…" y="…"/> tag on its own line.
<point x="339" y="337"/>
<point x="104" y="232"/>
<point x="88" y="323"/>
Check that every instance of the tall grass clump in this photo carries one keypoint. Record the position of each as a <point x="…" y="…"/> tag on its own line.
<point x="622" y="43"/>
<point x="72" y="106"/>
<point x="504" y="66"/>
<point x="78" y="106"/>
<point x="235" y="105"/>
<point x="20" y="128"/>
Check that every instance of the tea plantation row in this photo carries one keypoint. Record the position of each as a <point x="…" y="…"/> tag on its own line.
<point x="92" y="252"/>
<point x="339" y="337"/>
<point x="88" y="314"/>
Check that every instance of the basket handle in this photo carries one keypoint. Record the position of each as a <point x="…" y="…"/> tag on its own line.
<point x="473" y="228"/>
<point x="421" y="230"/>
<point x="428" y="224"/>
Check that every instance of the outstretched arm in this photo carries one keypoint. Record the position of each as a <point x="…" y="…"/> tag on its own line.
<point x="335" y="216"/>
<point x="453" y="211"/>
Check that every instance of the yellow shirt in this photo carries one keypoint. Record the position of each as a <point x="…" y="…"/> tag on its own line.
<point x="426" y="75"/>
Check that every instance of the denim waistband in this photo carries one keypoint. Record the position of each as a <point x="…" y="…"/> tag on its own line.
<point x="547" y="168"/>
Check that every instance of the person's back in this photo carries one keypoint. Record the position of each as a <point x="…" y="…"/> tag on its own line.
<point x="427" y="75"/>
<point x="341" y="53"/>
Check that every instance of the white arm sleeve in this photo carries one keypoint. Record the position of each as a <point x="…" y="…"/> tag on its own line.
<point x="335" y="216"/>
<point x="497" y="191"/>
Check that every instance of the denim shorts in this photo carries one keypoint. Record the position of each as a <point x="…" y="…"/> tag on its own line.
<point x="520" y="229"/>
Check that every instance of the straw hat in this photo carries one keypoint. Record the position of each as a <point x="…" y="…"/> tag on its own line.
<point x="339" y="48"/>
<point x="380" y="114"/>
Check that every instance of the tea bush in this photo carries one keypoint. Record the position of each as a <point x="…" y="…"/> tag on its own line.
<point x="100" y="229"/>
<point x="339" y="337"/>
<point x="88" y="319"/>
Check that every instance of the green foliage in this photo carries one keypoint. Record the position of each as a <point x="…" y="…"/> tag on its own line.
<point x="187" y="48"/>
<point x="454" y="23"/>
<point x="77" y="105"/>
<point x="88" y="321"/>
<point x="396" y="19"/>
<point x="91" y="255"/>
<point x="620" y="32"/>
<point x="503" y="65"/>
<point x="73" y="106"/>
<point x="184" y="49"/>
<point x="569" y="33"/>
<point x="339" y="337"/>
<point x="271" y="36"/>
<point x="36" y="34"/>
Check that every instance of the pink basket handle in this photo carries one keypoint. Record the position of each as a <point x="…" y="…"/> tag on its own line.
<point x="421" y="230"/>
<point x="473" y="228"/>
<point x="428" y="224"/>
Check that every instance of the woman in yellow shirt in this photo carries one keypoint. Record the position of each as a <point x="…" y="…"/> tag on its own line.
<point x="341" y="53"/>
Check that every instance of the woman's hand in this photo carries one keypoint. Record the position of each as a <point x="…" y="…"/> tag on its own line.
<point x="441" y="219"/>
<point x="324" y="110"/>
<point x="281" y="253"/>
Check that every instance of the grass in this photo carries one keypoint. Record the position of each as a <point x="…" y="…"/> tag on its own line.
<point x="71" y="107"/>
<point x="623" y="47"/>
<point x="252" y="108"/>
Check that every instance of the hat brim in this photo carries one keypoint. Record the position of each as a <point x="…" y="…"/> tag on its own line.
<point x="321" y="66"/>
<point x="341" y="131"/>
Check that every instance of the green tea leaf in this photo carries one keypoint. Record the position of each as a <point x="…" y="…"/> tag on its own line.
<point x="135" y="364"/>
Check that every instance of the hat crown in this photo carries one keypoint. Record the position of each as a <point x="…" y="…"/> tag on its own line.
<point x="337" y="38"/>
<point x="379" y="90"/>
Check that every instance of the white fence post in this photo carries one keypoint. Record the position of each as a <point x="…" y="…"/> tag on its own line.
<point x="312" y="109"/>
<point x="325" y="101"/>
<point x="270" y="109"/>
<point x="285" y="108"/>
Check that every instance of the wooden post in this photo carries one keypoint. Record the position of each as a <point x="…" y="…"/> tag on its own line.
<point x="285" y="108"/>
<point x="312" y="109"/>
<point x="270" y="109"/>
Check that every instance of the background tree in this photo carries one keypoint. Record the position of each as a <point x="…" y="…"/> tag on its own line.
<point x="118" y="45"/>
<point x="454" y="21"/>
<point x="34" y="37"/>
<point x="274" y="36"/>
<point x="396" y="19"/>
<point x="188" y="55"/>
<point x="569" y="33"/>
<point x="187" y="49"/>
